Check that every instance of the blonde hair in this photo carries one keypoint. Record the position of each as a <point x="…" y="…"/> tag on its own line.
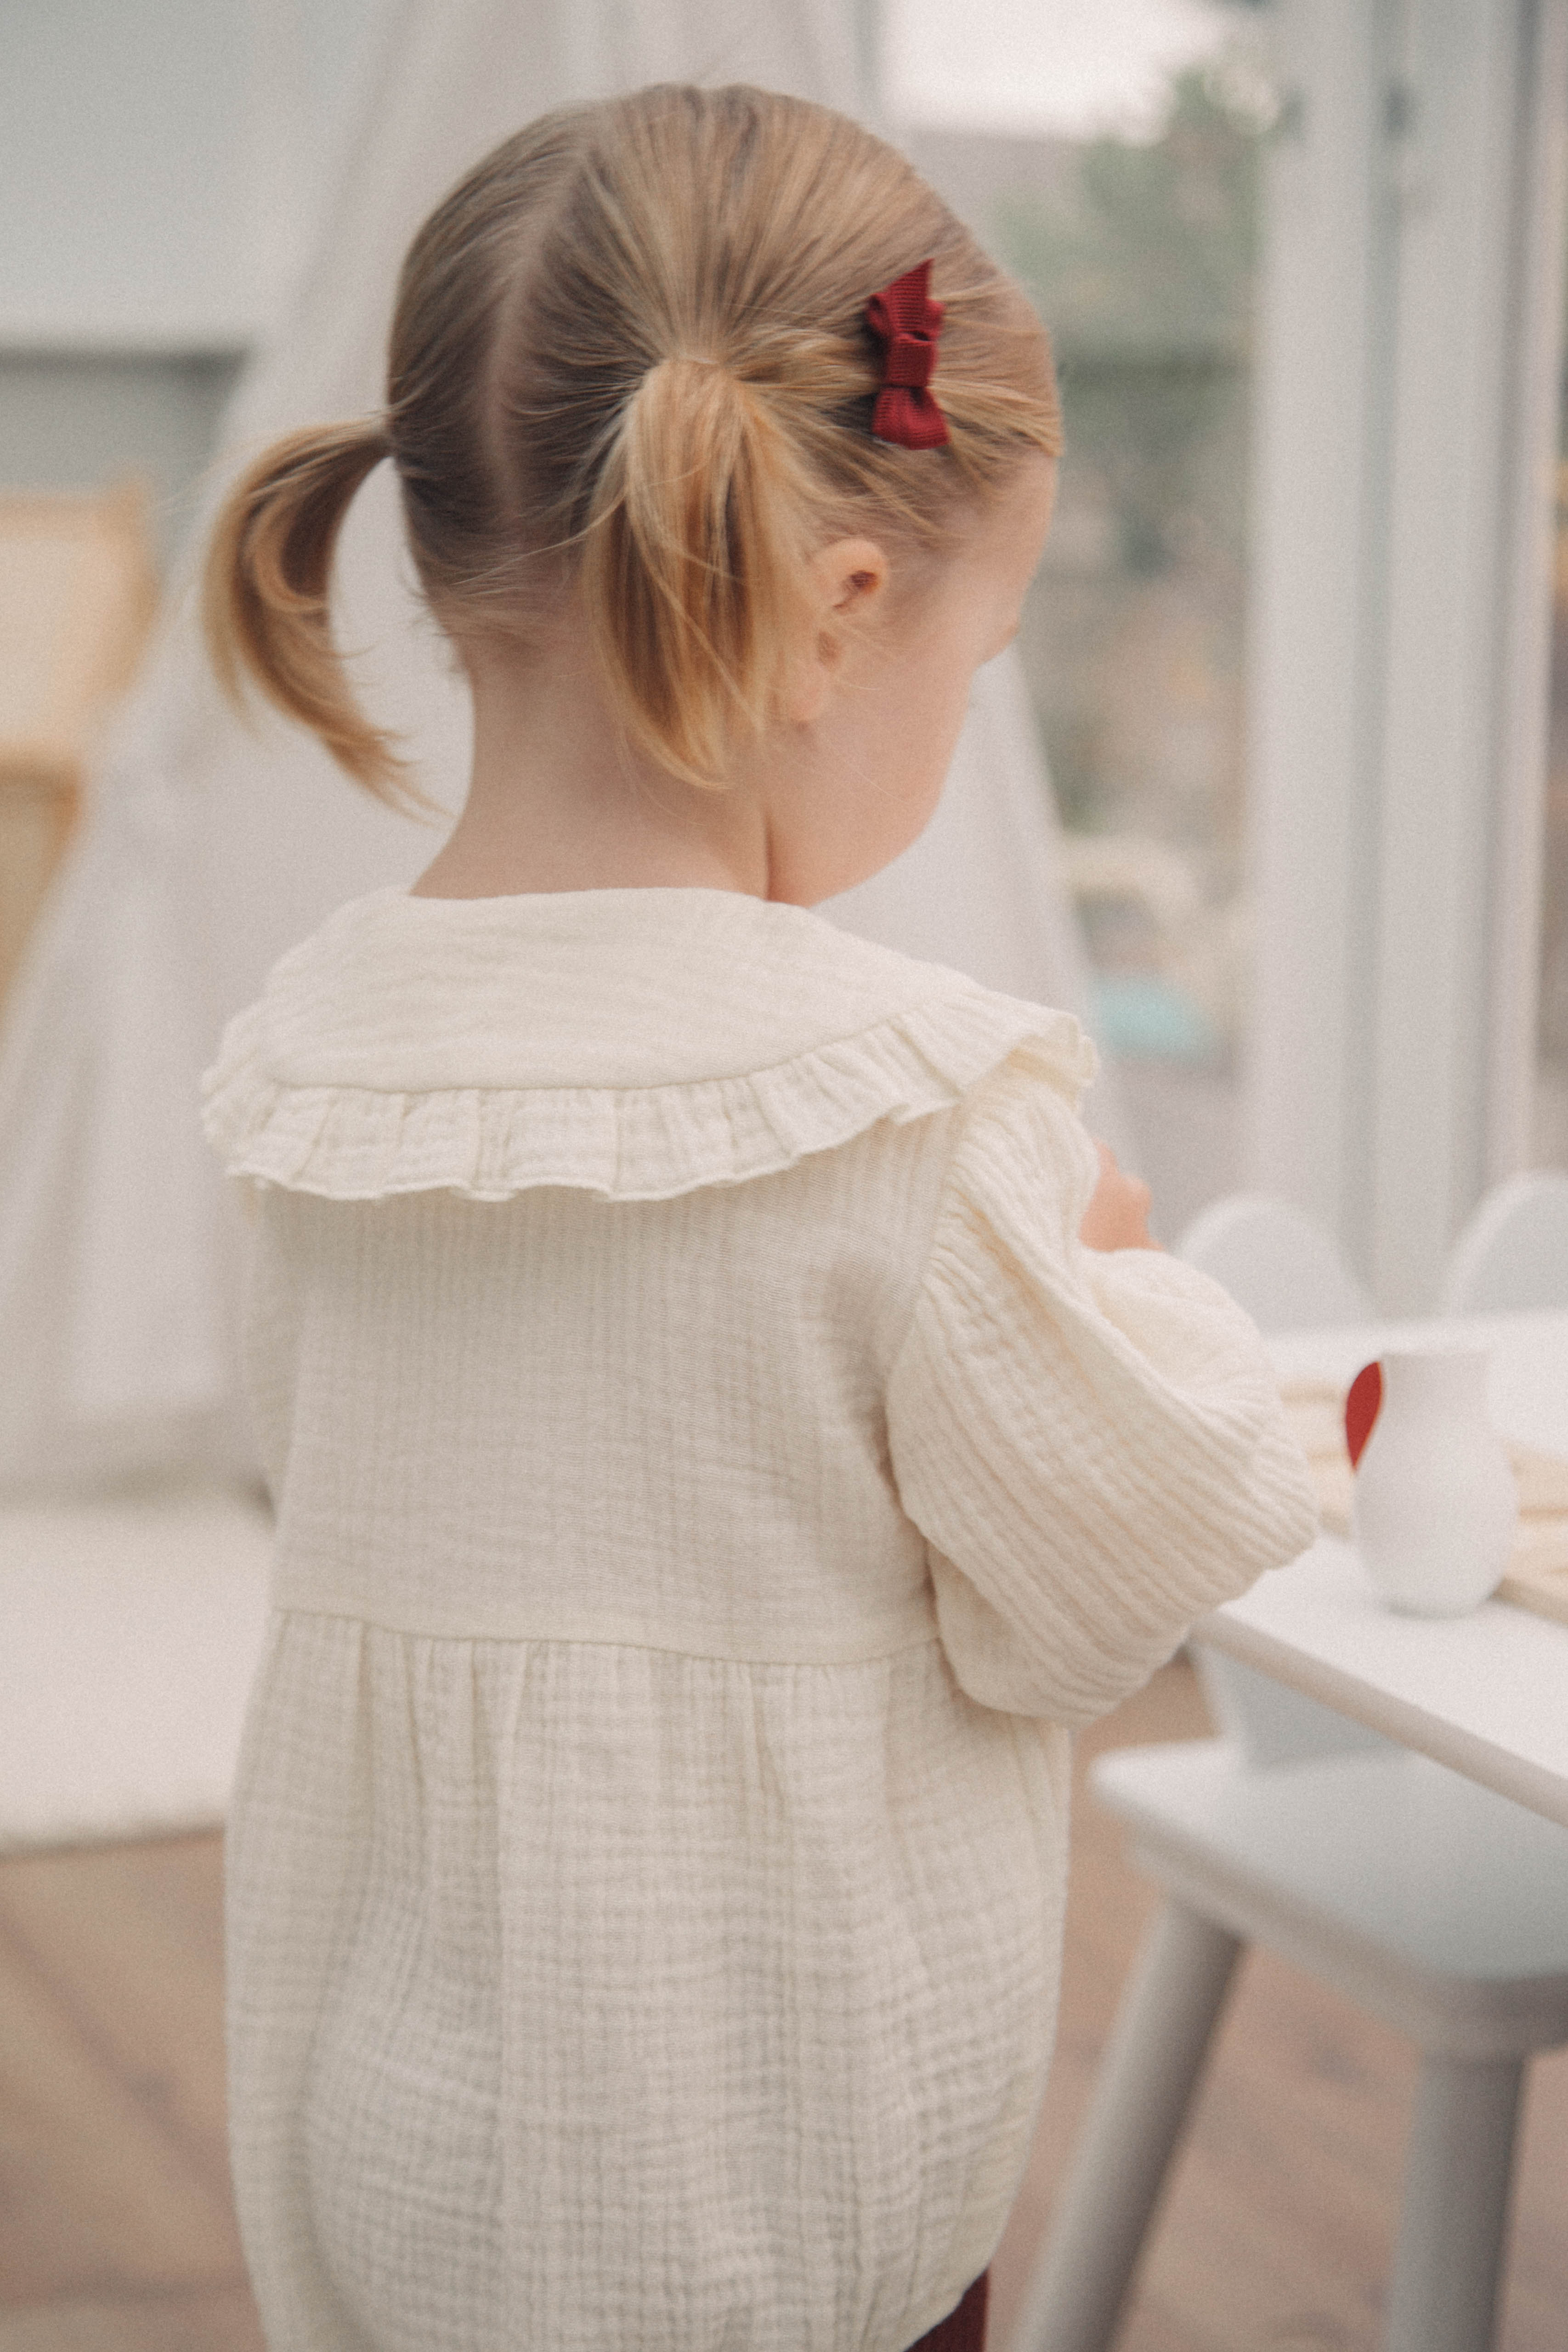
<point x="630" y="350"/>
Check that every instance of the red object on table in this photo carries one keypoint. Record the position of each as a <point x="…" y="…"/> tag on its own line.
<point x="1361" y="1408"/>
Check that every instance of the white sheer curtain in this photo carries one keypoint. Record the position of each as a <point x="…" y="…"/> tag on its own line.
<point x="208" y="847"/>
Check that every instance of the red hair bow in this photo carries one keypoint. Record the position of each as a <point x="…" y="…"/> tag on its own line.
<point x="907" y="323"/>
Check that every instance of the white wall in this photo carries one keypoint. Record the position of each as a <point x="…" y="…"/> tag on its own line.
<point x="161" y="162"/>
<point x="152" y="153"/>
<point x="126" y="155"/>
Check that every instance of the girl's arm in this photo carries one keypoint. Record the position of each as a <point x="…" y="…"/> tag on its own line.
<point x="1090" y="1441"/>
<point x="1118" y="1214"/>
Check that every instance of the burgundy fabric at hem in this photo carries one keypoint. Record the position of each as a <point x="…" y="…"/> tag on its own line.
<point x="963" y="2329"/>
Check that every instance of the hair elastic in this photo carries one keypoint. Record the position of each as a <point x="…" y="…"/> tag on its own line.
<point x="906" y="321"/>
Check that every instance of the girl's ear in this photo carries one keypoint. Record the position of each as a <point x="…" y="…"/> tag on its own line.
<point x="848" y="586"/>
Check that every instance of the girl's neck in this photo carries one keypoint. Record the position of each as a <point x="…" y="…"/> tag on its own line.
<point x="557" y="801"/>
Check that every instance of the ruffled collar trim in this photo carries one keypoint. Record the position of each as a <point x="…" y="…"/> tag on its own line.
<point x="634" y="1043"/>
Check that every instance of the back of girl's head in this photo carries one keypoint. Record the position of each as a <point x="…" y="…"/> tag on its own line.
<point x="630" y="363"/>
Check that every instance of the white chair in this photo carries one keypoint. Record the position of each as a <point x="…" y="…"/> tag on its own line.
<point x="1513" y="1253"/>
<point x="1276" y="1261"/>
<point x="1438" y="1906"/>
<point x="1286" y="1270"/>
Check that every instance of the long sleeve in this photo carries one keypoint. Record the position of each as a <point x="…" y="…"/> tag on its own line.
<point x="1092" y="1443"/>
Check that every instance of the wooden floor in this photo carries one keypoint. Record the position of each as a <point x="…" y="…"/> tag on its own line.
<point x="117" y="2234"/>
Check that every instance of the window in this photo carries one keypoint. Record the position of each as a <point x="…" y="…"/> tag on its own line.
<point x="1109" y="155"/>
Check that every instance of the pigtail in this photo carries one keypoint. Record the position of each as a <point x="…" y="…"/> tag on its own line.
<point x="693" y="574"/>
<point x="632" y="368"/>
<point x="266" y="602"/>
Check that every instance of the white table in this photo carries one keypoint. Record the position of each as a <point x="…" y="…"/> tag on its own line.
<point x="1486" y="1694"/>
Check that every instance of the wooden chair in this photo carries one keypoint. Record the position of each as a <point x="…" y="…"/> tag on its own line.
<point x="76" y="595"/>
<point x="1438" y="1906"/>
<point x="1513" y="1253"/>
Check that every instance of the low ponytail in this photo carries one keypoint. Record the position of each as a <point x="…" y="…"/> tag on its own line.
<point x="693" y="563"/>
<point x="266" y="602"/>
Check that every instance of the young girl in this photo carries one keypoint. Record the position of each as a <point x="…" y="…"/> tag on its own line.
<point x="725" y="1427"/>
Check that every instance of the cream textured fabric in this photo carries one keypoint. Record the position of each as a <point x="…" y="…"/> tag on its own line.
<point x="710" y="1477"/>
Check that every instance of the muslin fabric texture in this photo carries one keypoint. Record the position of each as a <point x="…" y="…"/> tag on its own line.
<point x="711" y="1479"/>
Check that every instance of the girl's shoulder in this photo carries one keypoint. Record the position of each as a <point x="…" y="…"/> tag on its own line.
<point x="634" y="1043"/>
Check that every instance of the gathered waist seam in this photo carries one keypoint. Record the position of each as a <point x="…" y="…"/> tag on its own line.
<point x="926" y="1637"/>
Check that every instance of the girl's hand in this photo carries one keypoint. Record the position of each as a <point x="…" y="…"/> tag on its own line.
<point x="1118" y="1215"/>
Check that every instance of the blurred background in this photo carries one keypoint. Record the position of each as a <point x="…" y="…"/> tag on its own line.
<point x="165" y="170"/>
<point x="1132" y="218"/>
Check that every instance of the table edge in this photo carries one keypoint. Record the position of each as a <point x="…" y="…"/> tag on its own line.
<point x="1463" y="1751"/>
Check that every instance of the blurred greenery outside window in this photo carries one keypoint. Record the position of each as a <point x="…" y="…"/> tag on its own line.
<point x="1140" y="257"/>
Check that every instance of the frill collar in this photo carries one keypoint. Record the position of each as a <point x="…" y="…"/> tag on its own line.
<point x="634" y="1043"/>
